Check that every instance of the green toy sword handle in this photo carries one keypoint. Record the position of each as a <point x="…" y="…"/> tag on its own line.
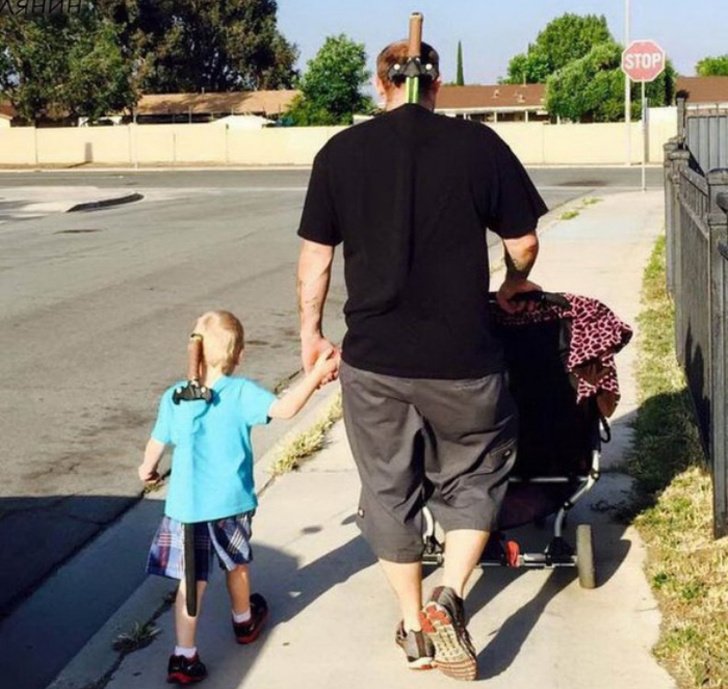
<point x="414" y="47"/>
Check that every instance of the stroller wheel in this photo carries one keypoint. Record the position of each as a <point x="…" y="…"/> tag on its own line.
<point x="585" y="556"/>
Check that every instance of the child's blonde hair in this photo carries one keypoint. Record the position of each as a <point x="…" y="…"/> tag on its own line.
<point x="223" y="339"/>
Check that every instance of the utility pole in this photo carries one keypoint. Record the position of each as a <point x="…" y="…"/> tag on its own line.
<point x="627" y="94"/>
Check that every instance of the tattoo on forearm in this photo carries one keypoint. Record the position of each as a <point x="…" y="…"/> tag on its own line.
<point x="310" y="307"/>
<point x="314" y="273"/>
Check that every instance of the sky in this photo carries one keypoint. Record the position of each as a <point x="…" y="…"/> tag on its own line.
<point x="493" y="31"/>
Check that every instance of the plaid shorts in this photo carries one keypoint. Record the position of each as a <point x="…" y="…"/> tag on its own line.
<point x="228" y="539"/>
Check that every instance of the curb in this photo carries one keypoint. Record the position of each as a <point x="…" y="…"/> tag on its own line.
<point x="105" y="203"/>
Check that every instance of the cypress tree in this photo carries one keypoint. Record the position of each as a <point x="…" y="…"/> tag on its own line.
<point x="460" y="80"/>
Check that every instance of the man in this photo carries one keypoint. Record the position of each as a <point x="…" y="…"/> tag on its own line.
<point x="426" y="406"/>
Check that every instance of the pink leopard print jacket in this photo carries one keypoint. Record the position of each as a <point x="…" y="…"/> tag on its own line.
<point x="597" y="334"/>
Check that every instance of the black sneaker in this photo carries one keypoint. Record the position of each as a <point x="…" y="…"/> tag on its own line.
<point x="417" y="647"/>
<point x="443" y="620"/>
<point x="247" y="632"/>
<point x="181" y="670"/>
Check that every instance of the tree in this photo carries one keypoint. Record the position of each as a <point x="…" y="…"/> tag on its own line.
<point x="585" y="89"/>
<point x="100" y="60"/>
<point x="566" y="38"/>
<point x="63" y="66"/>
<point x="713" y="66"/>
<point x="460" y="79"/>
<point x="188" y="45"/>
<point x="591" y="89"/>
<point x="98" y="79"/>
<point x="330" y="87"/>
<point x="531" y="67"/>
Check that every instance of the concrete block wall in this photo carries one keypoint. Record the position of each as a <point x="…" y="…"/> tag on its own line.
<point x="535" y="143"/>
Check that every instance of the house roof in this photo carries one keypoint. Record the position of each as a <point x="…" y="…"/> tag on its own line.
<point x="7" y="110"/>
<point x="704" y="89"/>
<point x="237" y="102"/>
<point x="517" y="96"/>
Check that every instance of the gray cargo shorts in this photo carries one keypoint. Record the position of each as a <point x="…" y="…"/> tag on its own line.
<point x="449" y="444"/>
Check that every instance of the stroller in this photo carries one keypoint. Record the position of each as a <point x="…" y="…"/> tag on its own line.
<point x="562" y="425"/>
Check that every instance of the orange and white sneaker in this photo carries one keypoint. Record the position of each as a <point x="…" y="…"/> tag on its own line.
<point x="443" y="621"/>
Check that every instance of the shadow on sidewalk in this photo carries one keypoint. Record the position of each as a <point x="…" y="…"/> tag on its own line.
<point x="293" y="589"/>
<point x="610" y="551"/>
<point x="289" y="588"/>
<point x="505" y="646"/>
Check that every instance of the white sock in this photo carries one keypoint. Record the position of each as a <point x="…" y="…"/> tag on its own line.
<point x="242" y="616"/>
<point x="188" y="653"/>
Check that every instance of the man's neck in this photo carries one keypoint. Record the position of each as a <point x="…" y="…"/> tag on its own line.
<point x="398" y="97"/>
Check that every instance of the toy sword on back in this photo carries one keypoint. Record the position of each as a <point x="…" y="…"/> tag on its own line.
<point x="193" y="390"/>
<point x="414" y="48"/>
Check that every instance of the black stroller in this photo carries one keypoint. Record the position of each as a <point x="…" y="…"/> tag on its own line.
<point x="559" y="446"/>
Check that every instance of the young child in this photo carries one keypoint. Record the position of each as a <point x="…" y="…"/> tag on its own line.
<point x="211" y="483"/>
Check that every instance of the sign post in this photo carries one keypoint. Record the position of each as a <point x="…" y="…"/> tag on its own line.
<point x="643" y="61"/>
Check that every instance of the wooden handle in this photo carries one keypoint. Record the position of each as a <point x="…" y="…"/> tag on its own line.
<point x="415" y="35"/>
<point x="194" y="356"/>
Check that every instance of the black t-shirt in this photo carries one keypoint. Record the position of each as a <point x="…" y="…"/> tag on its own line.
<point x="410" y="193"/>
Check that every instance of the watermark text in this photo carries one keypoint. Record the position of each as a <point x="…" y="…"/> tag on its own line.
<point x="39" y="8"/>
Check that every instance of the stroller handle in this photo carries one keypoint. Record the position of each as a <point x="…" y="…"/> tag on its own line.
<point x="542" y="298"/>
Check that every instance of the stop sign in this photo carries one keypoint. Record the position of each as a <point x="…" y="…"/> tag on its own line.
<point x="643" y="60"/>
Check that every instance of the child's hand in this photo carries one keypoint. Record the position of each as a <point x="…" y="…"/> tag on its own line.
<point x="327" y="365"/>
<point x="147" y="475"/>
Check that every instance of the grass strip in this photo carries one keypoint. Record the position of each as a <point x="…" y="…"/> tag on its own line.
<point x="308" y="443"/>
<point x="687" y="569"/>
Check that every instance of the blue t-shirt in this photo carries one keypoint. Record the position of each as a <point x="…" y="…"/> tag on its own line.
<point x="212" y="463"/>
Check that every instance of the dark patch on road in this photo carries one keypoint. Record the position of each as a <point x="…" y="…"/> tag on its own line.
<point x="78" y="231"/>
<point x="117" y="419"/>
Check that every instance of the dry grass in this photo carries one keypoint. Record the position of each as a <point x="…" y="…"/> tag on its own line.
<point x="569" y="215"/>
<point x="308" y="443"/>
<point x="139" y="636"/>
<point x="688" y="570"/>
<point x="591" y="200"/>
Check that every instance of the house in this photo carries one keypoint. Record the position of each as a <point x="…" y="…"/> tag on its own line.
<point x="207" y="107"/>
<point x="494" y="103"/>
<point x="704" y="92"/>
<point x="7" y="113"/>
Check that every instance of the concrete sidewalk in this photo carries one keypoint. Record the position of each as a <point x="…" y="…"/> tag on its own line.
<point x="333" y="615"/>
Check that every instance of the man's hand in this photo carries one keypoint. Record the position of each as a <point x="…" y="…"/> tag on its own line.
<point x="316" y="349"/>
<point x="509" y="289"/>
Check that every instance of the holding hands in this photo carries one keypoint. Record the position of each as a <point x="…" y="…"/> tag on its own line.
<point x="318" y="354"/>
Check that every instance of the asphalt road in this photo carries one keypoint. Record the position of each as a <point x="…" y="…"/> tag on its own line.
<point x="217" y="178"/>
<point x="95" y="308"/>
